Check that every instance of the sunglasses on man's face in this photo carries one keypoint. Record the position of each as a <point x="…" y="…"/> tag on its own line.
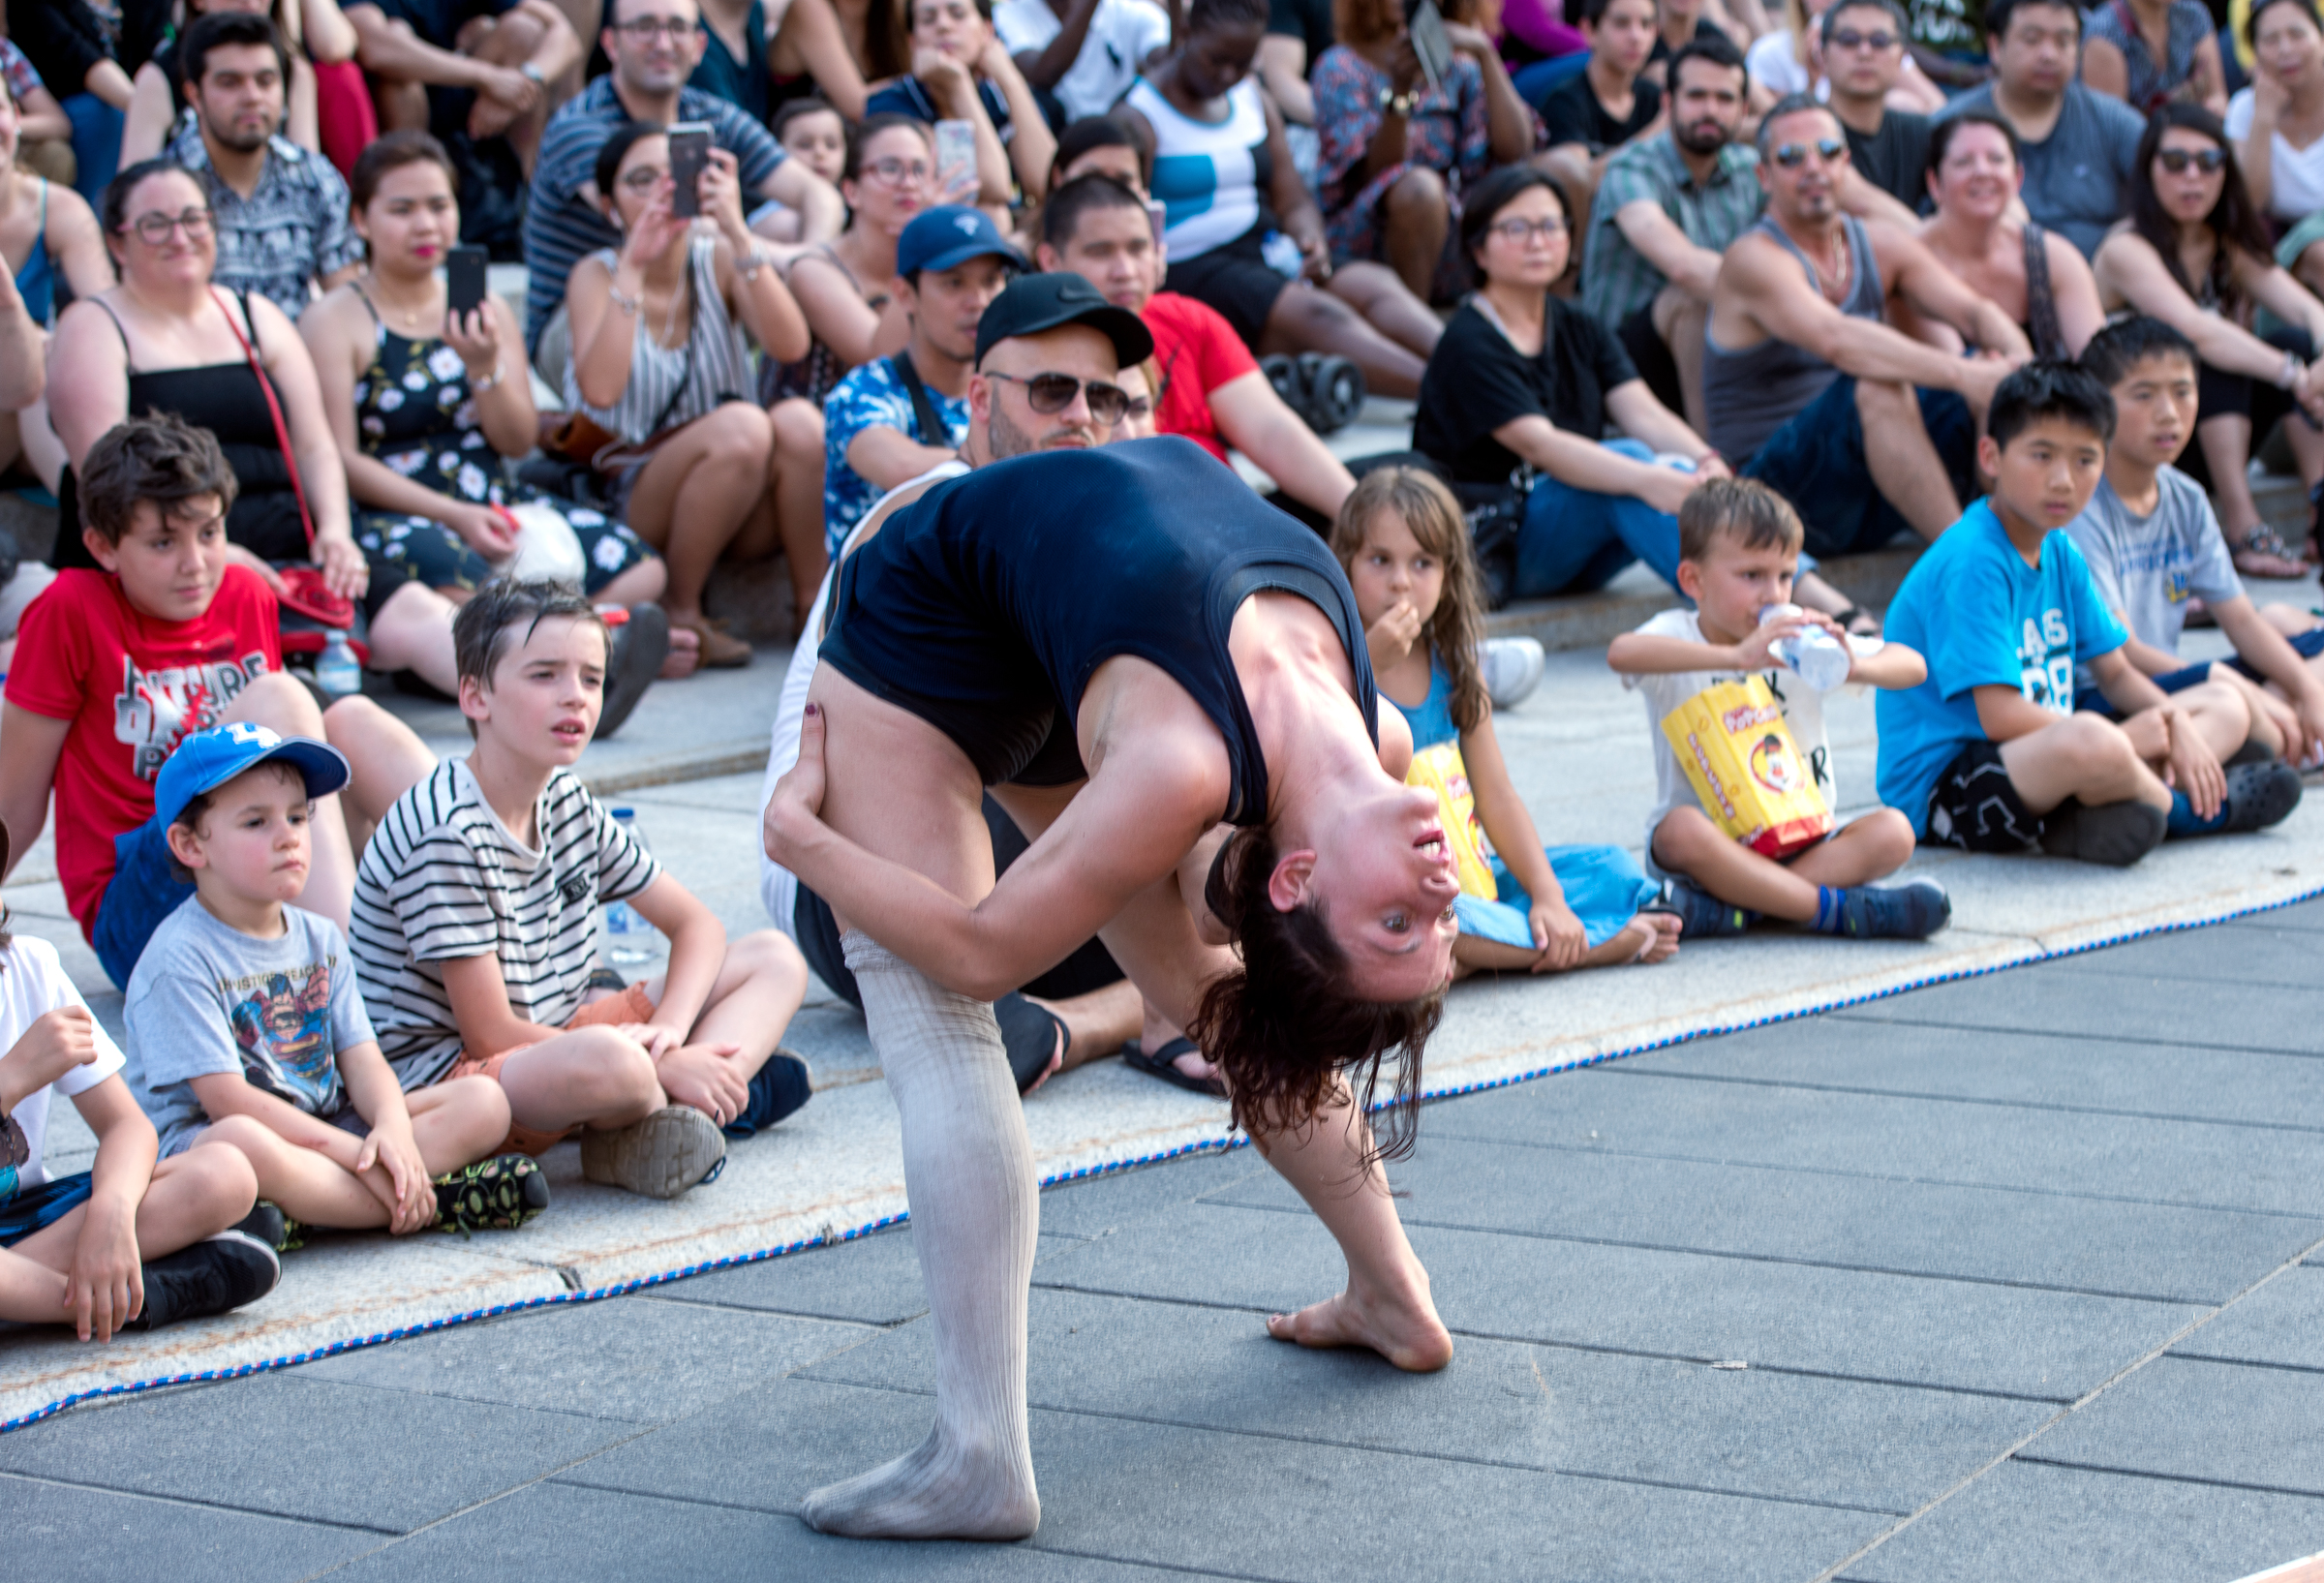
<point x="1052" y="393"/>
<point x="2206" y="160"/>
<point x="1791" y="156"/>
<point x="1847" y="38"/>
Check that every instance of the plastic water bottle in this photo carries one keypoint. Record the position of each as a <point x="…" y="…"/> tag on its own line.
<point x="1819" y="659"/>
<point x="337" y="671"/>
<point x="1282" y="253"/>
<point x="629" y="937"/>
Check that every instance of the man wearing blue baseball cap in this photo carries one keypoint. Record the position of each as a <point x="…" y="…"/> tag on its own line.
<point x="893" y="418"/>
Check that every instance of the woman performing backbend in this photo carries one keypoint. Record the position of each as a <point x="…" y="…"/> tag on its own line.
<point x="1137" y="610"/>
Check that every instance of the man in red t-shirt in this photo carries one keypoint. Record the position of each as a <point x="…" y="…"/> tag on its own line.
<point x="1213" y="391"/>
<point x="114" y="668"/>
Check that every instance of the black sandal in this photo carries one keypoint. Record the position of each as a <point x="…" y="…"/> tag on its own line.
<point x="1163" y="1063"/>
<point x="1034" y="1036"/>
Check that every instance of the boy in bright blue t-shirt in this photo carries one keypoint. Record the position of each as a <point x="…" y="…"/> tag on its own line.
<point x="1988" y="753"/>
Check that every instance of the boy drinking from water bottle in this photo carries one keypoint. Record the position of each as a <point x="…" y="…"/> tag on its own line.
<point x="476" y="919"/>
<point x="114" y="666"/>
<point x="1738" y="544"/>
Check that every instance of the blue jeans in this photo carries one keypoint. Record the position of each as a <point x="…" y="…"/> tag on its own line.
<point x="96" y="145"/>
<point x="1576" y="539"/>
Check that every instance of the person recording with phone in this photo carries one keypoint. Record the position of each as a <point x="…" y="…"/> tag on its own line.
<point x="659" y="363"/>
<point x="962" y="71"/>
<point x="425" y="389"/>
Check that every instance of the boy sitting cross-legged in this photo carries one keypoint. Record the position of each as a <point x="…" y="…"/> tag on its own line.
<point x="1738" y="551"/>
<point x="130" y="1243"/>
<point x="476" y="927"/>
<point x="1989" y="754"/>
<point x="246" y="1027"/>
<point x="2153" y="542"/>
<point x="114" y="666"/>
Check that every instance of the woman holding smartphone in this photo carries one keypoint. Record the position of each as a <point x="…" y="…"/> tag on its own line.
<point x="424" y="401"/>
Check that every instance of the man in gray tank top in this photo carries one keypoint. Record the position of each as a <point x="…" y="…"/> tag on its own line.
<point x="1806" y="387"/>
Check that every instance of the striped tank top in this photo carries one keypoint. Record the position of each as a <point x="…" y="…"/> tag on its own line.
<point x="672" y="385"/>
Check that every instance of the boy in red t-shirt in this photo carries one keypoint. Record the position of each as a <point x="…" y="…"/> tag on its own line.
<point x="1213" y="391"/>
<point x="114" y="668"/>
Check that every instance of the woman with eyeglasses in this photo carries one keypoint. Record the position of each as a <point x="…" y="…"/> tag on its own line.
<point x="1523" y="379"/>
<point x="847" y="286"/>
<point x="2036" y="277"/>
<point x="167" y="339"/>
<point x="700" y="469"/>
<point x="2195" y="254"/>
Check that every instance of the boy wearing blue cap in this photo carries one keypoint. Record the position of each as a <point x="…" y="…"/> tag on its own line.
<point x="893" y="418"/>
<point x="246" y="1025"/>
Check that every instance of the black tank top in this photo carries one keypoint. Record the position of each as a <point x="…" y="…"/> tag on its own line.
<point x="984" y="606"/>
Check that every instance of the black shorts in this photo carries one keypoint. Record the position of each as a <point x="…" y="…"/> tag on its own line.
<point x="1975" y="805"/>
<point x="2221" y="394"/>
<point x="1651" y="357"/>
<point x="1235" y="279"/>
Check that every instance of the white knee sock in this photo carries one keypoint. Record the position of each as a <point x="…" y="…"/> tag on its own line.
<point x="968" y="1173"/>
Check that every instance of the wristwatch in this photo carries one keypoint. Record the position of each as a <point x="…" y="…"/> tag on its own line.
<point x="529" y="70"/>
<point x="14" y="1148"/>
<point x="1396" y="103"/>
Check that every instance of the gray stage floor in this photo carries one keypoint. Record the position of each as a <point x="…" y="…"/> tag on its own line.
<point x="1999" y="1279"/>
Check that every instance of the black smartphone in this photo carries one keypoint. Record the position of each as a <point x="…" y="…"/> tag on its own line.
<point x="463" y="270"/>
<point x="690" y="157"/>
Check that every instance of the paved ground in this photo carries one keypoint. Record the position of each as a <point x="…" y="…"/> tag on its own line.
<point x="2015" y="1267"/>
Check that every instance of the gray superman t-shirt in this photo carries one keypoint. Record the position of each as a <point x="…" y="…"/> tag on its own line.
<point x="208" y="999"/>
<point x="2148" y="567"/>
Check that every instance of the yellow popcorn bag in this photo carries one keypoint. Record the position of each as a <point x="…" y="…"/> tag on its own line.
<point x="1731" y="741"/>
<point x="1440" y="769"/>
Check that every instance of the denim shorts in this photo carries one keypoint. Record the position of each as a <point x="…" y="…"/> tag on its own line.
<point x="141" y="892"/>
<point x="1817" y="462"/>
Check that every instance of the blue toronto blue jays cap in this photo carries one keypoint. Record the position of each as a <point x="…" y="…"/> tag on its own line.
<point x="208" y="759"/>
<point x="948" y="234"/>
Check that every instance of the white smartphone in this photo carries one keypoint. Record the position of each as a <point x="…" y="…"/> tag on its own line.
<point x="956" y="162"/>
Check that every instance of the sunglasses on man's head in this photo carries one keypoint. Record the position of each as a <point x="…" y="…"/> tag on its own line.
<point x="1790" y="155"/>
<point x="2206" y="160"/>
<point x="1051" y="393"/>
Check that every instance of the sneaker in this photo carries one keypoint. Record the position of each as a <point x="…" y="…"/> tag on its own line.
<point x="2116" y="835"/>
<point x="777" y="1090"/>
<point x="640" y="644"/>
<point x="495" y="1195"/>
<point x="1703" y="915"/>
<point x="1911" y="911"/>
<point x="212" y="1276"/>
<point x="660" y="1157"/>
<point x="2259" y="795"/>
<point x="1511" y="668"/>
<point x="264" y="1224"/>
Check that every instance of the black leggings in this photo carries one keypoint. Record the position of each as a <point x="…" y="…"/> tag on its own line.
<point x="2221" y="394"/>
<point x="1090" y="967"/>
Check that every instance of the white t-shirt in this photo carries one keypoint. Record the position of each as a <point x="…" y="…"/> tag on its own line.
<point x="1802" y="707"/>
<point x="1772" y="63"/>
<point x="32" y="985"/>
<point x="2296" y="175"/>
<point x="1121" y="35"/>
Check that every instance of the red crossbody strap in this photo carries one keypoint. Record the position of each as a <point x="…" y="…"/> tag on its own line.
<point x="274" y="409"/>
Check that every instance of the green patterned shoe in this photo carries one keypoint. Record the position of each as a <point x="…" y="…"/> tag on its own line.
<point x="495" y="1195"/>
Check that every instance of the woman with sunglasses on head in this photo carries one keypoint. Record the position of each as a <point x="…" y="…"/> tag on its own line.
<point x="1524" y="379"/>
<point x="167" y="339"/>
<point x="847" y="286"/>
<point x="2195" y="255"/>
<point x="2036" y="277"/>
<point x="701" y="471"/>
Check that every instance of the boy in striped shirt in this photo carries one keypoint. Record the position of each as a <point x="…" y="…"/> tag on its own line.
<point x="475" y="929"/>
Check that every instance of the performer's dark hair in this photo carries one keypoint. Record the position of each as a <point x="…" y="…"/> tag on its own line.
<point x="1285" y="1026"/>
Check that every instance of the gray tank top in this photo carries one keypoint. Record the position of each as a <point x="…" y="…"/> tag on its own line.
<point x="1748" y="395"/>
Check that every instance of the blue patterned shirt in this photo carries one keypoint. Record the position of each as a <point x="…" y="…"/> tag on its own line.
<point x="289" y="233"/>
<point x="871" y="397"/>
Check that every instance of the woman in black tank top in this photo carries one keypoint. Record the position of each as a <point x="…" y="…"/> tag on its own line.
<point x="167" y="339"/>
<point x="1139" y="652"/>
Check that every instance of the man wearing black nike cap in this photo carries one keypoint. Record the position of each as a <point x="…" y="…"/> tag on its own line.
<point x="1048" y="351"/>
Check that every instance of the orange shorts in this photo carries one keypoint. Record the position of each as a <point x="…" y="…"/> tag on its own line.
<point x="631" y="1005"/>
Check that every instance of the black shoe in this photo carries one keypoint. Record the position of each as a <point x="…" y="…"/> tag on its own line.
<point x="2259" y="795"/>
<point x="777" y="1090"/>
<point x="1911" y="911"/>
<point x="640" y="645"/>
<point x="495" y="1195"/>
<point x="1703" y="915"/>
<point x="2252" y="751"/>
<point x="264" y="1224"/>
<point x="212" y="1276"/>
<point x="2115" y="834"/>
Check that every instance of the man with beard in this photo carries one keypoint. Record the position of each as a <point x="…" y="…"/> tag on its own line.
<point x="281" y="211"/>
<point x="1865" y="430"/>
<point x="1047" y="350"/>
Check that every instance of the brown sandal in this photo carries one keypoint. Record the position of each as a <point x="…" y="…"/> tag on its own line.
<point x="718" y="651"/>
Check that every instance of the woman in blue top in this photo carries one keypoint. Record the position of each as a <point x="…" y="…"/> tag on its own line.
<point x="50" y="241"/>
<point x="1243" y="233"/>
<point x="1406" y="550"/>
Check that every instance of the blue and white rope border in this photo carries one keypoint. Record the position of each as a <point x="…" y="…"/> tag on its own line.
<point x="1216" y="1146"/>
